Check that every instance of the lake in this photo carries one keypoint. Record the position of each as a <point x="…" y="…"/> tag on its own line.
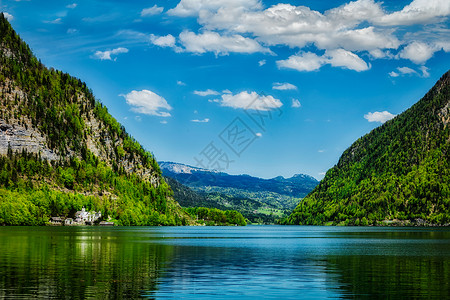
<point x="272" y="262"/>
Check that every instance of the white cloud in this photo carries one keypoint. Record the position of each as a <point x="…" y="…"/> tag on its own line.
<point x="258" y="134"/>
<point x="302" y="62"/>
<point x="337" y="58"/>
<point x="377" y="54"/>
<point x="345" y="33"/>
<point x="72" y="30"/>
<point x="147" y="102"/>
<point x="379" y="116"/>
<point x="261" y="62"/>
<point x="55" y="21"/>
<point x="163" y="41"/>
<point x="418" y="12"/>
<point x="417" y="52"/>
<point x="208" y="92"/>
<point x="321" y="150"/>
<point x="402" y="71"/>
<point x="297" y="26"/>
<point x="283" y="86"/>
<point x="8" y="16"/>
<point x="209" y="41"/>
<point x="189" y="8"/>
<point x="425" y="72"/>
<point x="151" y="11"/>
<point x="250" y="100"/>
<point x="206" y="120"/>
<point x="163" y="122"/>
<point x="406" y="70"/>
<point x="106" y="55"/>
<point x="346" y="59"/>
<point x="296" y="103"/>
<point x="393" y="74"/>
<point x="73" y="5"/>
<point x="181" y="83"/>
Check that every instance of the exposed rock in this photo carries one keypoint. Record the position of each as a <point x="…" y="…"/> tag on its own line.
<point x="17" y="137"/>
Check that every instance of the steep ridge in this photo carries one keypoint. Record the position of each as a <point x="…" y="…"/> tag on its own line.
<point x="397" y="174"/>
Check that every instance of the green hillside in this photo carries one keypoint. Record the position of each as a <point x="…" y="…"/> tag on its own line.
<point x="61" y="150"/>
<point x="397" y="174"/>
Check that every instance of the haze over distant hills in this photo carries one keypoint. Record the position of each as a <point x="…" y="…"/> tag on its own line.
<point x="298" y="185"/>
<point x="259" y="200"/>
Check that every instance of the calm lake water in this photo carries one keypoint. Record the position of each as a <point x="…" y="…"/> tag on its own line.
<point x="275" y="262"/>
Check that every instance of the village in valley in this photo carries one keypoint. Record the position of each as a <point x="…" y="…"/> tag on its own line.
<point x="82" y="218"/>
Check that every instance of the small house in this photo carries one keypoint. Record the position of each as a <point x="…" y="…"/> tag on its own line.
<point x="55" y="221"/>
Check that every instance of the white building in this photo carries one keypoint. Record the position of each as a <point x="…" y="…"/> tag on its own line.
<point x="84" y="217"/>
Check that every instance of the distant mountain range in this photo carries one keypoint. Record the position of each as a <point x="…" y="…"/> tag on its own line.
<point x="259" y="200"/>
<point x="297" y="186"/>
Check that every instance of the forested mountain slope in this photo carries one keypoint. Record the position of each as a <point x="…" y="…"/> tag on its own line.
<point x="61" y="150"/>
<point x="398" y="173"/>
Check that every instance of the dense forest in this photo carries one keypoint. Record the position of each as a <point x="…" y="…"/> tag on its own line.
<point x="397" y="174"/>
<point x="85" y="157"/>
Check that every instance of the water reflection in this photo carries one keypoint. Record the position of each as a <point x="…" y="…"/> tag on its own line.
<point x="269" y="262"/>
<point x="77" y="263"/>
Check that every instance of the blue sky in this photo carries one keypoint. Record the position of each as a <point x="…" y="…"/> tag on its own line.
<point x="264" y="88"/>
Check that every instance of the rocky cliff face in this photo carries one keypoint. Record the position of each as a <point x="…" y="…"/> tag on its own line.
<point x="18" y="132"/>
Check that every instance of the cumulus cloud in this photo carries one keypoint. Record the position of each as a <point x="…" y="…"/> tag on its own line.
<point x="8" y="16"/>
<point x="181" y="83"/>
<point x="417" y="12"/>
<point x="206" y="120"/>
<point x="283" y="86"/>
<point x="107" y="55"/>
<point x="310" y="61"/>
<point x="417" y="52"/>
<point x="406" y="70"/>
<point x="296" y="103"/>
<point x="258" y="134"/>
<point x="346" y="59"/>
<point x="163" y="41"/>
<point x="209" y="41"/>
<point x="148" y="103"/>
<point x="189" y="8"/>
<point x="302" y="62"/>
<point x="250" y="100"/>
<point x="151" y="11"/>
<point x="72" y="6"/>
<point x="378" y="116"/>
<point x="246" y="26"/>
<point x="297" y="26"/>
<point x="208" y="92"/>
<point x="393" y="74"/>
